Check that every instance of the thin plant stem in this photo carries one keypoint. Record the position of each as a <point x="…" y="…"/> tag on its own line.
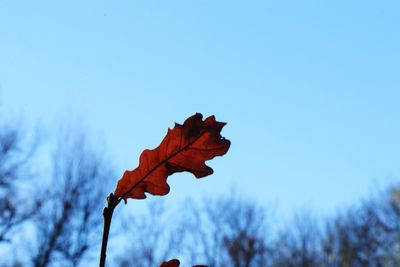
<point x="112" y="202"/>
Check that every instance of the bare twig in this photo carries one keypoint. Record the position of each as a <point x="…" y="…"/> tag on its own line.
<point x="112" y="202"/>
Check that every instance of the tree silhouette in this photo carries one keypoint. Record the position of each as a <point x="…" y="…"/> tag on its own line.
<point x="15" y="155"/>
<point x="68" y="224"/>
<point x="219" y="232"/>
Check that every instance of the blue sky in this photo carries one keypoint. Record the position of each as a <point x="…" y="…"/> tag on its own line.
<point x="310" y="89"/>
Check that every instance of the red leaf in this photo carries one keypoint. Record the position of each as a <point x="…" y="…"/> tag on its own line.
<point x="170" y="263"/>
<point x="176" y="263"/>
<point x="185" y="148"/>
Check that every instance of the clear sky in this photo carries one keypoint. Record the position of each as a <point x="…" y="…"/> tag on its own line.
<point x="310" y="89"/>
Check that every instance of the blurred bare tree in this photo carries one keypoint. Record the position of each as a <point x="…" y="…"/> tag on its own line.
<point x="222" y="232"/>
<point x="353" y="239"/>
<point x="298" y="243"/>
<point x="15" y="155"/>
<point x="152" y="237"/>
<point x="69" y="224"/>
<point x="366" y="235"/>
<point x="230" y="232"/>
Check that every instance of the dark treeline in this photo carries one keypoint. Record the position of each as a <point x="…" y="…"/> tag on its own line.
<point x="53" y="218"/>
<point x="239" y="233"/>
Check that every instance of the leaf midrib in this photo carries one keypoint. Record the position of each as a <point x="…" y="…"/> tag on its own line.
<point x="159" y="164"/>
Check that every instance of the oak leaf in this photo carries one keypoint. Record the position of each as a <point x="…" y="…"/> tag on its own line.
<point x="185" y="148"/>
<point x="170" y="263"/>
<point x="176" y="263"/>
